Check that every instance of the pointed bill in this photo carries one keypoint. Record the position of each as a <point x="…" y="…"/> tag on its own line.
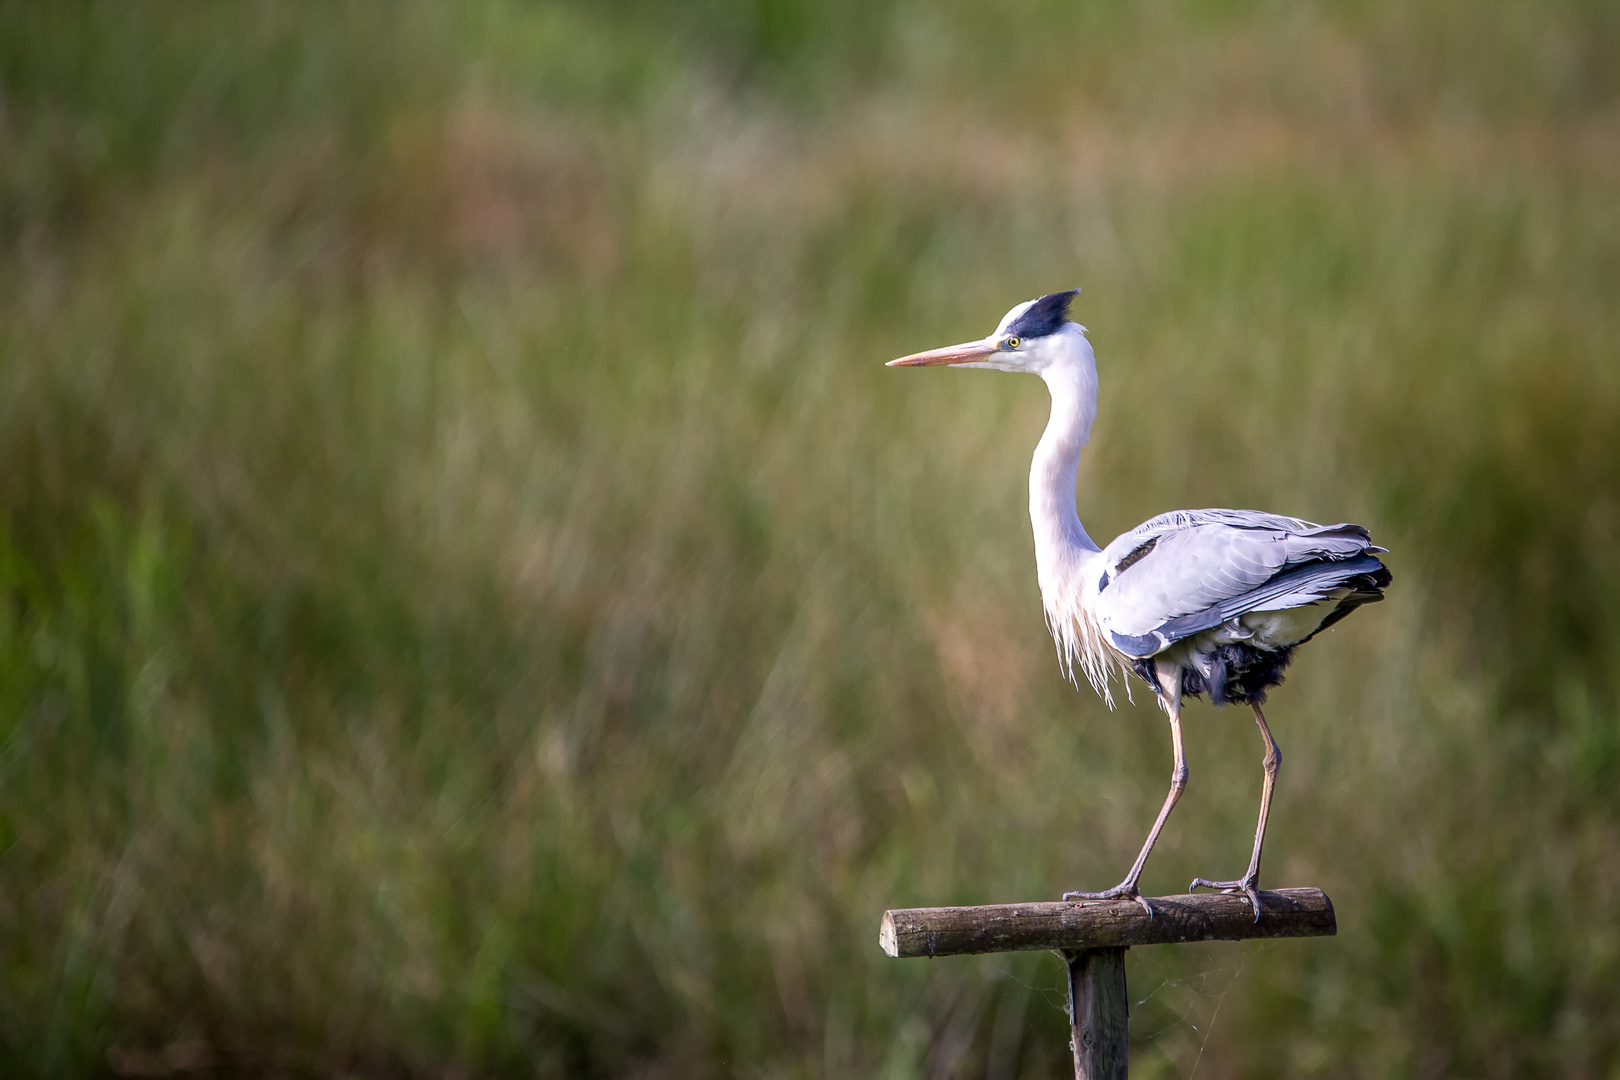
<point x="965" y="353"/>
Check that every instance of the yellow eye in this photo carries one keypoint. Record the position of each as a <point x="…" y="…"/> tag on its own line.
<point x="1012" y="343"/>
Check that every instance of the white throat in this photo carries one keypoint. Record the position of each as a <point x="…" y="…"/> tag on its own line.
<point x="1064" y="552"/>
<point x="1059" y="536"/>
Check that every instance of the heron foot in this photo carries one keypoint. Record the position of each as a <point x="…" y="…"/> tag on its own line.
<point x="1125" y="890"/>
<point x="1248" y="886"/>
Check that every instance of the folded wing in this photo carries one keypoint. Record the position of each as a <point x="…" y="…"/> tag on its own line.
<point x="1183" y="573"/>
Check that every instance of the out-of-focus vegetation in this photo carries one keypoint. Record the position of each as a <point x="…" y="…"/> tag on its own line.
<point x="472" y="600"/>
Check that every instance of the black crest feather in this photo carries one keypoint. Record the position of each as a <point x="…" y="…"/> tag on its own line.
<point x="1045" y="316"/>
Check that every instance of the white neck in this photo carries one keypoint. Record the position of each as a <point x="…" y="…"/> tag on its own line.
<point x="1064" y="553"/>
<point x="1061" y="542"/>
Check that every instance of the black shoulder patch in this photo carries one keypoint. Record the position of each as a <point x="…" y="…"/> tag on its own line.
<point x="1136" y="556"/>
<point x="1126" y="563"/>
<point x="1045" y="316"/>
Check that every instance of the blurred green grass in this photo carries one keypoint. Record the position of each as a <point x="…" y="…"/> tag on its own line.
<point x="473" y="602"/>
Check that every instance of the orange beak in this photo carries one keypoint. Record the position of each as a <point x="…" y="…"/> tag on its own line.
<point x="965" y="353"/>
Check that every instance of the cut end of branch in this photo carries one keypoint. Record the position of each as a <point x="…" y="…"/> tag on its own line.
<point x="886" y="935"/>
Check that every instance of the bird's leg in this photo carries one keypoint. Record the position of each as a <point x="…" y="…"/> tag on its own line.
<point x="1171" y="686"/>
<point x="1249" y="884"/>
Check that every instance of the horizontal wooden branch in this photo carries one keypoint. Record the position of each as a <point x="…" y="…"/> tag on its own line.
<point x="1104" y="924"/>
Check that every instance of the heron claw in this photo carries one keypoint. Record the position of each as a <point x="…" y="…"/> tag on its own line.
<point x="1249" y="887"/>
<point x="1122" y="891"/>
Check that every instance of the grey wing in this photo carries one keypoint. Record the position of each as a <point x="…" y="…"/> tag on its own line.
<point x="1186" y="572"/>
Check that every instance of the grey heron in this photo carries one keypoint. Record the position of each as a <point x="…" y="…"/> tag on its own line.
<point x="1193" y="601"/>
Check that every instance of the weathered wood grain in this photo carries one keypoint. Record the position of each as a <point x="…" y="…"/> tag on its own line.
<point x="1099" y="1014"/>
<point x="1104" y="924"/>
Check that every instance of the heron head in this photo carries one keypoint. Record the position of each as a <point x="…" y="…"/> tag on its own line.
<point x="1031" y="337"/>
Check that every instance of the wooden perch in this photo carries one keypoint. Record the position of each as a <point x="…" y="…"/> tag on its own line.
<point x="1093" y="935"/>
<point x="1104" y="924"/>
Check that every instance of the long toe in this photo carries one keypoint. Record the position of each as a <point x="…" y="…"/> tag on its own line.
<point x="1118" y="892"/>
<point x="1248" y="887"/>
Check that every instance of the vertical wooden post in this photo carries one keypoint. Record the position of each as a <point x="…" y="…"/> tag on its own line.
<point x="1098" y="1013"/>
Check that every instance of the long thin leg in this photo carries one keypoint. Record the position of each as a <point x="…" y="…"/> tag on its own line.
<point x="1170" y="691"/>
<point x="1249" y="884"/>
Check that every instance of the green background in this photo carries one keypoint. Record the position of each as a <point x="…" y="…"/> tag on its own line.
<point x="473" y="602"/>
